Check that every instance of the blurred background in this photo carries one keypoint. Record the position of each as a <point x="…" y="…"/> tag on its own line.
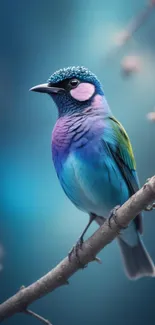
<point x="38" y="224"/>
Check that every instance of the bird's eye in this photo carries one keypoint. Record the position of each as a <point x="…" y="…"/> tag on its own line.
<point x="74" y="83"/>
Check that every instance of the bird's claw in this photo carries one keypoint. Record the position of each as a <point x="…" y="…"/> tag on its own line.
<point x="150" y="207"/>
<point x="113" y="214"/>
<point x="74" y="251"/>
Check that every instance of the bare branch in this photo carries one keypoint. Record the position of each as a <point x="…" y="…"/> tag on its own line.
<point x="42" y="319"/>
<point x="65" y="269"/>
<point x="135" y="24"/>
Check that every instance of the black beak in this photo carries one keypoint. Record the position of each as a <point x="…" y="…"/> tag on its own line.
<point x="46" y="88"/>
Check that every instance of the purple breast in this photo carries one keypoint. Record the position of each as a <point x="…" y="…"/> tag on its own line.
<point x="72" y="133"/>
<point x="65" y="130"/>
<point x="60" y="138"/>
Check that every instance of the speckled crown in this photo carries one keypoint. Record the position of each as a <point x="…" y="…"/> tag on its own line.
<point x="74" y="72"/>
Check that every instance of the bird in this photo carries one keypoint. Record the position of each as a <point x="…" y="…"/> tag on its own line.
<point x="94" y="159"/>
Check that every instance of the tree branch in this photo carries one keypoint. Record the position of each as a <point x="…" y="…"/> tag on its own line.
<point x="65" y="269"/>
<point x="42" y="319"/>
<point x="135" y="24"/>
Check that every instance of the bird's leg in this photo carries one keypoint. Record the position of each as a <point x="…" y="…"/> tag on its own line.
<point x="79" y="243"/>
<point x="113" y="214"/>
<point x="150" y="207"/>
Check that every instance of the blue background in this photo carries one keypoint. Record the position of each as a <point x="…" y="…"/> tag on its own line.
<point x="38" y="224"/>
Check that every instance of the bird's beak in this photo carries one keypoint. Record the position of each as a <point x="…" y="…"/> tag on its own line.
<point x="46" y="88"/>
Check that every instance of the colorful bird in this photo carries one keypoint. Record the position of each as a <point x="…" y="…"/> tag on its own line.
<point x="94" y="160"/>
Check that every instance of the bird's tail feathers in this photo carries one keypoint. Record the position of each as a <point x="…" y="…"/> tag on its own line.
<point x="137" y="261"/>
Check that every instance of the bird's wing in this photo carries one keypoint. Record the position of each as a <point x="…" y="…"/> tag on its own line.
<point x="119" y="146"/>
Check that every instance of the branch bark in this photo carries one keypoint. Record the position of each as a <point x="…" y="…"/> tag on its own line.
<point x="64" y="270"/>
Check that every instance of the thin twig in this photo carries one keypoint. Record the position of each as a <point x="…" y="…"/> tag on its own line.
<point x="135" y="23"/>
<point x="126" y="34"/>
<point x="42" y="319"/>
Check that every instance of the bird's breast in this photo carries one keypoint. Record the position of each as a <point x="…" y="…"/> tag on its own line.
<point x="89" y="176"/>
<point x="73" y="133"/>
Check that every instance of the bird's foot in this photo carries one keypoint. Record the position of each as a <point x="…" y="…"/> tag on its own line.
<point x="75" y="252"/>
<point x="150" y="207"/>
<point x="113" y="214"/>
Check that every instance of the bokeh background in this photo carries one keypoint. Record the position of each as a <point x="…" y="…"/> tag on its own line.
<point x="38" y="224"/>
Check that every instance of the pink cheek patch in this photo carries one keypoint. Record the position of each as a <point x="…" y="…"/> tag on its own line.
<point x="83" y="91"/>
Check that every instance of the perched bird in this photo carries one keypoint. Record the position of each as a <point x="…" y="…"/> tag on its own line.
<point x="93" y="158"/>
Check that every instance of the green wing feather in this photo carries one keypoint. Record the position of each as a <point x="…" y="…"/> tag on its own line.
<point x="120" y="148"/>
<point x="123" y="144"/>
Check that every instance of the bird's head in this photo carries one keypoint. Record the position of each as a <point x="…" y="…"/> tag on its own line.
<point x="72" y="89"/>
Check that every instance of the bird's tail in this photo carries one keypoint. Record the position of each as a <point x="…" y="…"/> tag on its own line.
<point x="137" y="261"/>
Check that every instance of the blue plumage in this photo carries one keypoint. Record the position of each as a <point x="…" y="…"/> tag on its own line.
<point x="93" y="158"/>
